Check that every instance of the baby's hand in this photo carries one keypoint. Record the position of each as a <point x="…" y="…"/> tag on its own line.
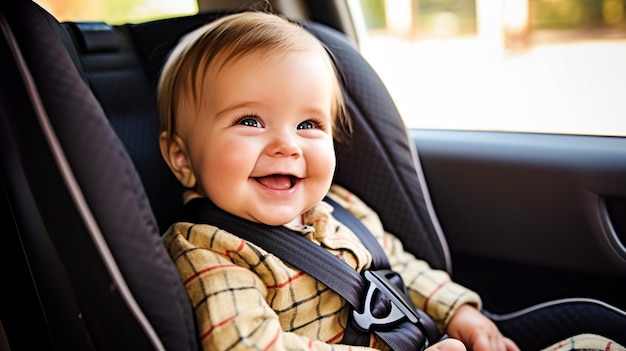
<point x="477" y="331"/>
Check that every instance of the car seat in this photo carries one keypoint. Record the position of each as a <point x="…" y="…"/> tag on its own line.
<point x="86" y="196"/>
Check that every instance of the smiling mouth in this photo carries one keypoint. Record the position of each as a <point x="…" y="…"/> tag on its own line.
<point x="278" y="181"/>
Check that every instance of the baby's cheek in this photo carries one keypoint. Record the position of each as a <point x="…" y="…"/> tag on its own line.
<point x="322" y="169"/>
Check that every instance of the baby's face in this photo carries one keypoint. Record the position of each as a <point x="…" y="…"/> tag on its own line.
<point x="261" y="146"/>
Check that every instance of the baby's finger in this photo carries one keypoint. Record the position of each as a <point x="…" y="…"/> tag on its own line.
<point x="510" y="345"/>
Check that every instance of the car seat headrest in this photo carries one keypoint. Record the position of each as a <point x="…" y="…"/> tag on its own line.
<point x="96" y="37"/>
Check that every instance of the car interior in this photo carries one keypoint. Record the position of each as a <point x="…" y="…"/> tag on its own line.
<point x="534" y="223"/>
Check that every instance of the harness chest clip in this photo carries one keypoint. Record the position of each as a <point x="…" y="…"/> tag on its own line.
<point x="400" y="307"/>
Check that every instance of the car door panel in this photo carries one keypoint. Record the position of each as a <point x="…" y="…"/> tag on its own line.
<point x="530" y="217"/>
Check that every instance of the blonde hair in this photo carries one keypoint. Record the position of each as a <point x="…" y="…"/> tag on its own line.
<point x="226" y="39"/>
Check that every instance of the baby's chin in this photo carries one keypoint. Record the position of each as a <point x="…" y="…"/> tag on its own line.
<point x="279" y="221"/>
<point x="296" y="222"/>
<point x="271" y="217"/>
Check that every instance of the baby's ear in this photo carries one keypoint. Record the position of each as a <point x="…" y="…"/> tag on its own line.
<point x="175" y="154"/>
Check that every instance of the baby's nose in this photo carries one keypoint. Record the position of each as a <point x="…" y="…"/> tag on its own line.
<point x="284" y="144"/>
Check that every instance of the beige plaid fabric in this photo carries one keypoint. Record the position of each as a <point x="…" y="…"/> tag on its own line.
<point x="246" y="298"/>
<point x="586" y="342"/>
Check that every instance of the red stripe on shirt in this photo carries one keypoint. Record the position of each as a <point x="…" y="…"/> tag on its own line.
<point x="269" y="346"/>
<point x="433" y="293"/>
<point x="220" y="324"/>
<point x="242" y="244"/>
<point x="348" y="198"/>
<point x="557" y="346"/>
<point x="283" y="284"/>
<point x="321" y="220"/>
<point x="199" y="273"/>
<point x="374" y="342"/>
<point x="337" y="337"/>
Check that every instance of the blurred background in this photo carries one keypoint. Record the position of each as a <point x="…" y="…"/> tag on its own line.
<point x="548" y="66"/>
<point x="551" y="66"/>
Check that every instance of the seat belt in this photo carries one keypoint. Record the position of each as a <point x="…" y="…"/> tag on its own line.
<point x="403" y="327"/>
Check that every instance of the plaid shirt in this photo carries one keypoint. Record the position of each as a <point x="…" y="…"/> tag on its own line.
<point x="246" y="298"/>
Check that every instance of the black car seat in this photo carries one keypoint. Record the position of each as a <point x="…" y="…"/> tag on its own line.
<point x="86" y="195"/>
<point x="82" y="232"/>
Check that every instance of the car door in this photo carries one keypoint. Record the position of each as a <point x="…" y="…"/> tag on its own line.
<point x="530" y="217"/>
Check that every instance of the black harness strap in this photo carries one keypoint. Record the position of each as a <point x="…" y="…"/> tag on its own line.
<point x="403" y="328"/>
<point x="425" y="325"/>
<point x="379" y="257"/>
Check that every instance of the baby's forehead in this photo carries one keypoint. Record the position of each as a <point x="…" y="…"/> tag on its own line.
<point x="214" y="70"/>
<point x="226" y="62"/>
<point x="233" y="53"/>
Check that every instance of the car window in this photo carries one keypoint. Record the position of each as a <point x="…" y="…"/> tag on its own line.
<point x="549" y="66"/>
<point x="117" y="12"/>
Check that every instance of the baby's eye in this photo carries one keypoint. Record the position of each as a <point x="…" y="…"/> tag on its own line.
<point x="249" y="121"/>
<point x="308" y="124"/>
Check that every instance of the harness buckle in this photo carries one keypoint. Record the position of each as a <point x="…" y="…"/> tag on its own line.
<point x="401" y="306"/>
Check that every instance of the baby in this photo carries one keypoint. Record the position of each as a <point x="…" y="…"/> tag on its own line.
<point x="250" y="104"/>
